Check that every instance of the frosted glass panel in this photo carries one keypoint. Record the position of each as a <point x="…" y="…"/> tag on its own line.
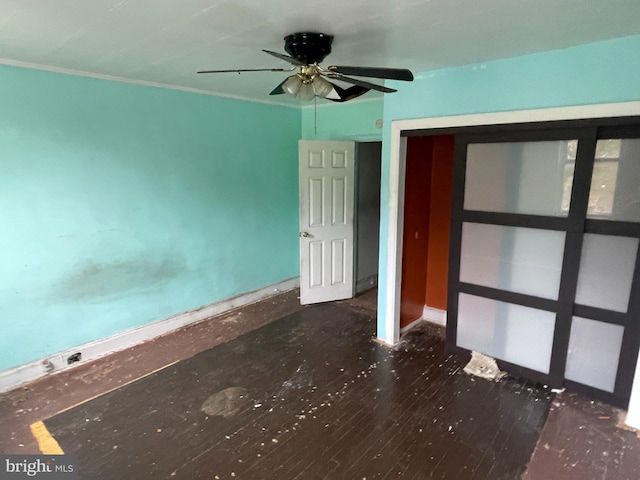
<point x="516" y="334"/>
<point x="522" y="260"/>
<point x="519" y="177"/>
<point x="606" y="271"/>
<point x="594" y="350"/>
<point x="615" y="182"/>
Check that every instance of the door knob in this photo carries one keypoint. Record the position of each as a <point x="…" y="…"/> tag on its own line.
<point x="305" y="234"/>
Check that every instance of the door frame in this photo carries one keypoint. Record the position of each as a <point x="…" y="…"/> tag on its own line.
<point x="388" y="330"/>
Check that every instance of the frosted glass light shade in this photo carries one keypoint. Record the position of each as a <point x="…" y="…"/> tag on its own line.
<point x="291" y="86"/>
<point x="322" y="87"/>
<point x="297" y="88"/>
<point x="306" y="92"/>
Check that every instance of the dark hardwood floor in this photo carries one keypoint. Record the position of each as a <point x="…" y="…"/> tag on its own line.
<point x="585" y="439"/>
<point x="309" y="396"/>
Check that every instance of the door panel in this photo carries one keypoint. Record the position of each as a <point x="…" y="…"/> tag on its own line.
<point x="513" y="333"/>
<point x="615" y="183"/>
<point x="316" y="196"/>
<point x="516" y="177"/>
<point x="515" y="259"/>
<point x="338" y="265"/>
<point x="606" y="271"/>
<point x="326" y="220"/>
<point x="594" y="350"/>
<point x="339" y="201"/>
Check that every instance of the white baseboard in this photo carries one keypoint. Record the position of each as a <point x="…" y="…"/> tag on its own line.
<point x="17" y="376"/>
<point x="429" y="314"/>
<point x="433" y="315"/>
<point x="406" y="328"/>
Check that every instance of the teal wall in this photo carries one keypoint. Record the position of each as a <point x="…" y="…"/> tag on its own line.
<point x="355" y="120"/>
<point x="603" y="72"/>
<point x="121" y="205"/>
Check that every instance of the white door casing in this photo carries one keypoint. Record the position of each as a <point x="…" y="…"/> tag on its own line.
<point x="326" y="174"/>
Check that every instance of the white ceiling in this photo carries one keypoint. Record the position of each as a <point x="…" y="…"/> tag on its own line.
<point x="167" y="41"/>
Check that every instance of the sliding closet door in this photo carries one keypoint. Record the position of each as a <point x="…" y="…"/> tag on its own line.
<point x="605" y="322"/>
<point x="544" y="261"/>
<point x="511" y="216"/>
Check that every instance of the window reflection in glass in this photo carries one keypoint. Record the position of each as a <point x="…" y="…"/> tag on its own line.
<point x="615" y="182"/>
<point x="603" y="187"/>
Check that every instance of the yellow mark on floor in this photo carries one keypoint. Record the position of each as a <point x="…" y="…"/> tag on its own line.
<point x="47" y="444"/>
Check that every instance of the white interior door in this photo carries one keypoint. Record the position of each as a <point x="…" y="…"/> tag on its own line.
<point x="327" y="172"/>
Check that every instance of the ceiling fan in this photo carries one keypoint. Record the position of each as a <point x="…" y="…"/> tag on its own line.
<point x="307" y="50"/>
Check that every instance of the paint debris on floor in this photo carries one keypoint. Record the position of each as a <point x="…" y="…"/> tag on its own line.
<point x="484" y="367"/>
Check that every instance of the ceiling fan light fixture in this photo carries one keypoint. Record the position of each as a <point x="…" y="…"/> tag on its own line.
<point x="307" y="87"/>
<point x="291" y="85"/>
<point x="322" y="87"/>
<point x="297" y="87"/>
<point x="306" y="92"/>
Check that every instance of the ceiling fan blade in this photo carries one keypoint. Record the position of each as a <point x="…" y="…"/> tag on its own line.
<point x="286" y="58"/>
<point x="344" y="94"/>
<point x="390" y="73"/>
<point x="361" y="83"/>
<point x="240" y="70"/>
<point x="279" y="90"/>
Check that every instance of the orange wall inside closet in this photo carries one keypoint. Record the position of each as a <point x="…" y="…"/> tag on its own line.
<point x="427" y="214"/>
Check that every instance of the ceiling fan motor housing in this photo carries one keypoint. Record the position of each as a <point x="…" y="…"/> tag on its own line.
<point x="308" y="47"/>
